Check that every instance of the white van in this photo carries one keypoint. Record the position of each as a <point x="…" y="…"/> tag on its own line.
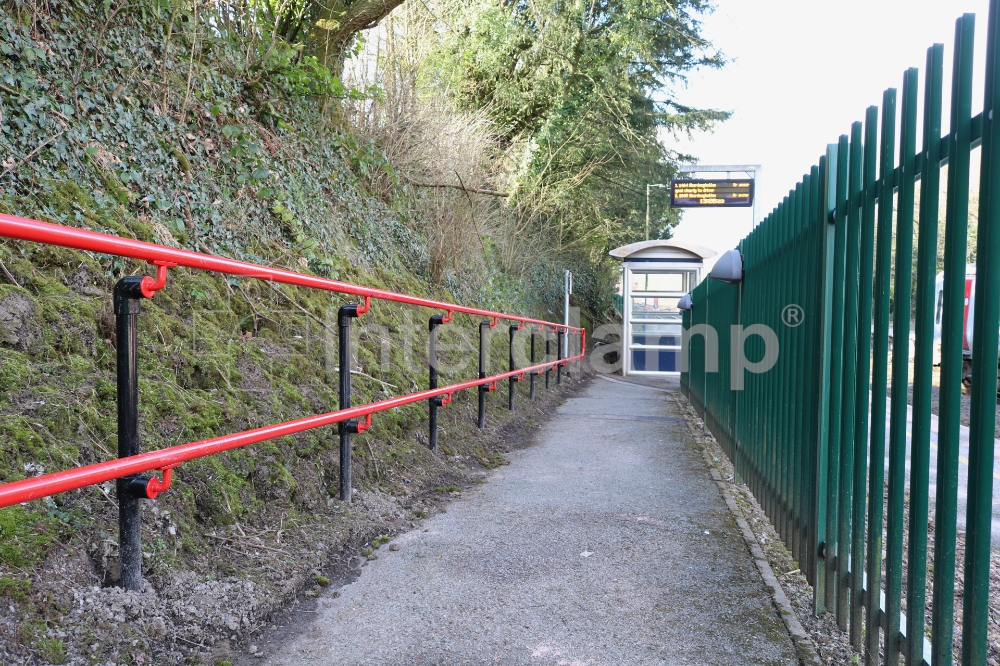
<point x="970" y="305"/>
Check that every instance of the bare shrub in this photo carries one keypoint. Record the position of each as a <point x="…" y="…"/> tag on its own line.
<point x="449" y="158"/>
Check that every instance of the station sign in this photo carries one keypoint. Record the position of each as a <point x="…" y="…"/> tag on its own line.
<point x="692" y="193"/>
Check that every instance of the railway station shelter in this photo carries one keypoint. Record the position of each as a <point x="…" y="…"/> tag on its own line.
<point x="655" y="275"/>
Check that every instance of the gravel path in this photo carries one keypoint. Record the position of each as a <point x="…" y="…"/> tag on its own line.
<point x="606" y="543"/>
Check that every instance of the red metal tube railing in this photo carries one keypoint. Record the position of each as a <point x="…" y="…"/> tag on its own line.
<point x="81" y="239"/>
<point x="163" y="257"/>
<point x="80" y="477"/>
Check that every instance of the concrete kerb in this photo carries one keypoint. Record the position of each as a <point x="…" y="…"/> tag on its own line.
<point x="804" y="646"/>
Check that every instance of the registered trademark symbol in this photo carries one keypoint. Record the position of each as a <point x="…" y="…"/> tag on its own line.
<point x="792" y="315"/>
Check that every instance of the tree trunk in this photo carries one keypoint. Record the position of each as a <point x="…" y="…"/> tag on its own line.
<point x="339" y="20"/>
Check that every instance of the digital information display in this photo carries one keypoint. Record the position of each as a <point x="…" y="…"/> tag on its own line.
<point x="690" y="193"/>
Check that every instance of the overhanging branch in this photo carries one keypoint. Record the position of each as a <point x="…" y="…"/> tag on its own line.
<point x="463" y="188"/>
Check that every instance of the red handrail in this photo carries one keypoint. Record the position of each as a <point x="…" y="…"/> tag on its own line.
<point x="81" y="239"/>
<point x="165" y="459"/>
<point x="71" y="479"/>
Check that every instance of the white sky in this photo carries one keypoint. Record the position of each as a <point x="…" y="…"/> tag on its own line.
<point x="801" y="72"/>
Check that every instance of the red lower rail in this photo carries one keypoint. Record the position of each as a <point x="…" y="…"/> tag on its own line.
<point x="80" y="477"/>
<point x="164" y="257"/>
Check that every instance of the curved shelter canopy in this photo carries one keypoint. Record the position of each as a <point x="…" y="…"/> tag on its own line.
<point x="655" y="275"/>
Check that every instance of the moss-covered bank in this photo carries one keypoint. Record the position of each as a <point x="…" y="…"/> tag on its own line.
<point x="113" y="122"/>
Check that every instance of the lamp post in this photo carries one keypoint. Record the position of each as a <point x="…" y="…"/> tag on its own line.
<point x="649" y="185"/>
<point x="567" y="290"/>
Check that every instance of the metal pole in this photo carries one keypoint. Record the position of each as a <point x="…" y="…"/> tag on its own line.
<point x="839" y="182"/>
<point x="433" y="403"/>
<point x="344" y="317"/>
<point x="900" y="378"/>
<point x="956" y="235"/>
<point x="863" y="374"/>
<point x="923" y="353"/>
<point x="568" y="289"/>
<point x="126" y="305"/>
<point x="511" y="381"/>
<point x="647" y="211"/>
<point x="852" y="267"/>
<point x="880" y="362"/>
<point x="484" y="328"/>
<point x="531" y="380"/>
<point x="756" y="189"/>
<point x="976" y="591"/>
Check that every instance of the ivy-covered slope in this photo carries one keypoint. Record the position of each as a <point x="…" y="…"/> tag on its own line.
<point x="112" y="119"/>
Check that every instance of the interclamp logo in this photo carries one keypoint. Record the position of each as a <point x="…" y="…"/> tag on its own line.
<point x="606" y="356"/>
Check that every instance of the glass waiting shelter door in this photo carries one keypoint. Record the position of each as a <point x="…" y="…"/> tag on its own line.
<point x="655" y="275"/>
<point x="653" y="320"/>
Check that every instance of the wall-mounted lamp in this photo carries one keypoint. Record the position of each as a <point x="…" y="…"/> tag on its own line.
<point x="729" y="267"/>
<point x="685" y="302"/>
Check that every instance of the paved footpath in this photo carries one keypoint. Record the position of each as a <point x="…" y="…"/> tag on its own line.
<point x="605" y="543"/>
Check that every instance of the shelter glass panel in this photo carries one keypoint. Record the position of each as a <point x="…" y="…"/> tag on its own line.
<point x="656" y="306"/>
<point x="656" y="360"/>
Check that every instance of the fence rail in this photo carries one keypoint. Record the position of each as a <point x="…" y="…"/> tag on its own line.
<point x="804" y="435"/>
<point x="127" y="470"/>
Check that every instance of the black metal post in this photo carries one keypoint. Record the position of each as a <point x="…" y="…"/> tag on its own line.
<point x="484" y="328"/>
<point x="548" y="352"/>
<point x="433" y="403"/>
<point x="346" y="428"/>
<point x="513" y="380"/>
<point x="126" y="306"/>
<point x="531" y="380"/>
<point x="559" y="351"/>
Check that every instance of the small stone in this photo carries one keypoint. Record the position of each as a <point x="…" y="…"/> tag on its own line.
<point x="393" y="546"/>
<point x="159" y="628"/>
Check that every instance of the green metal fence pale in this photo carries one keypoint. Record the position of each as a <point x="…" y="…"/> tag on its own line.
<point x="863" y="372"/>
<point x="953" y="310"/>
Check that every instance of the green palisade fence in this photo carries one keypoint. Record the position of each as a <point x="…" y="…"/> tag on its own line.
<point x="805" y="434"/>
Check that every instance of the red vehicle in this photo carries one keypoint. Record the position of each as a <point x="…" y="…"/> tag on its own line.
<point x="970" y="308"/>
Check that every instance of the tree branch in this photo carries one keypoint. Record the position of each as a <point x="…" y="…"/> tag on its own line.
<point x="473" y="190"/>
<point x="337" y="23"/>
